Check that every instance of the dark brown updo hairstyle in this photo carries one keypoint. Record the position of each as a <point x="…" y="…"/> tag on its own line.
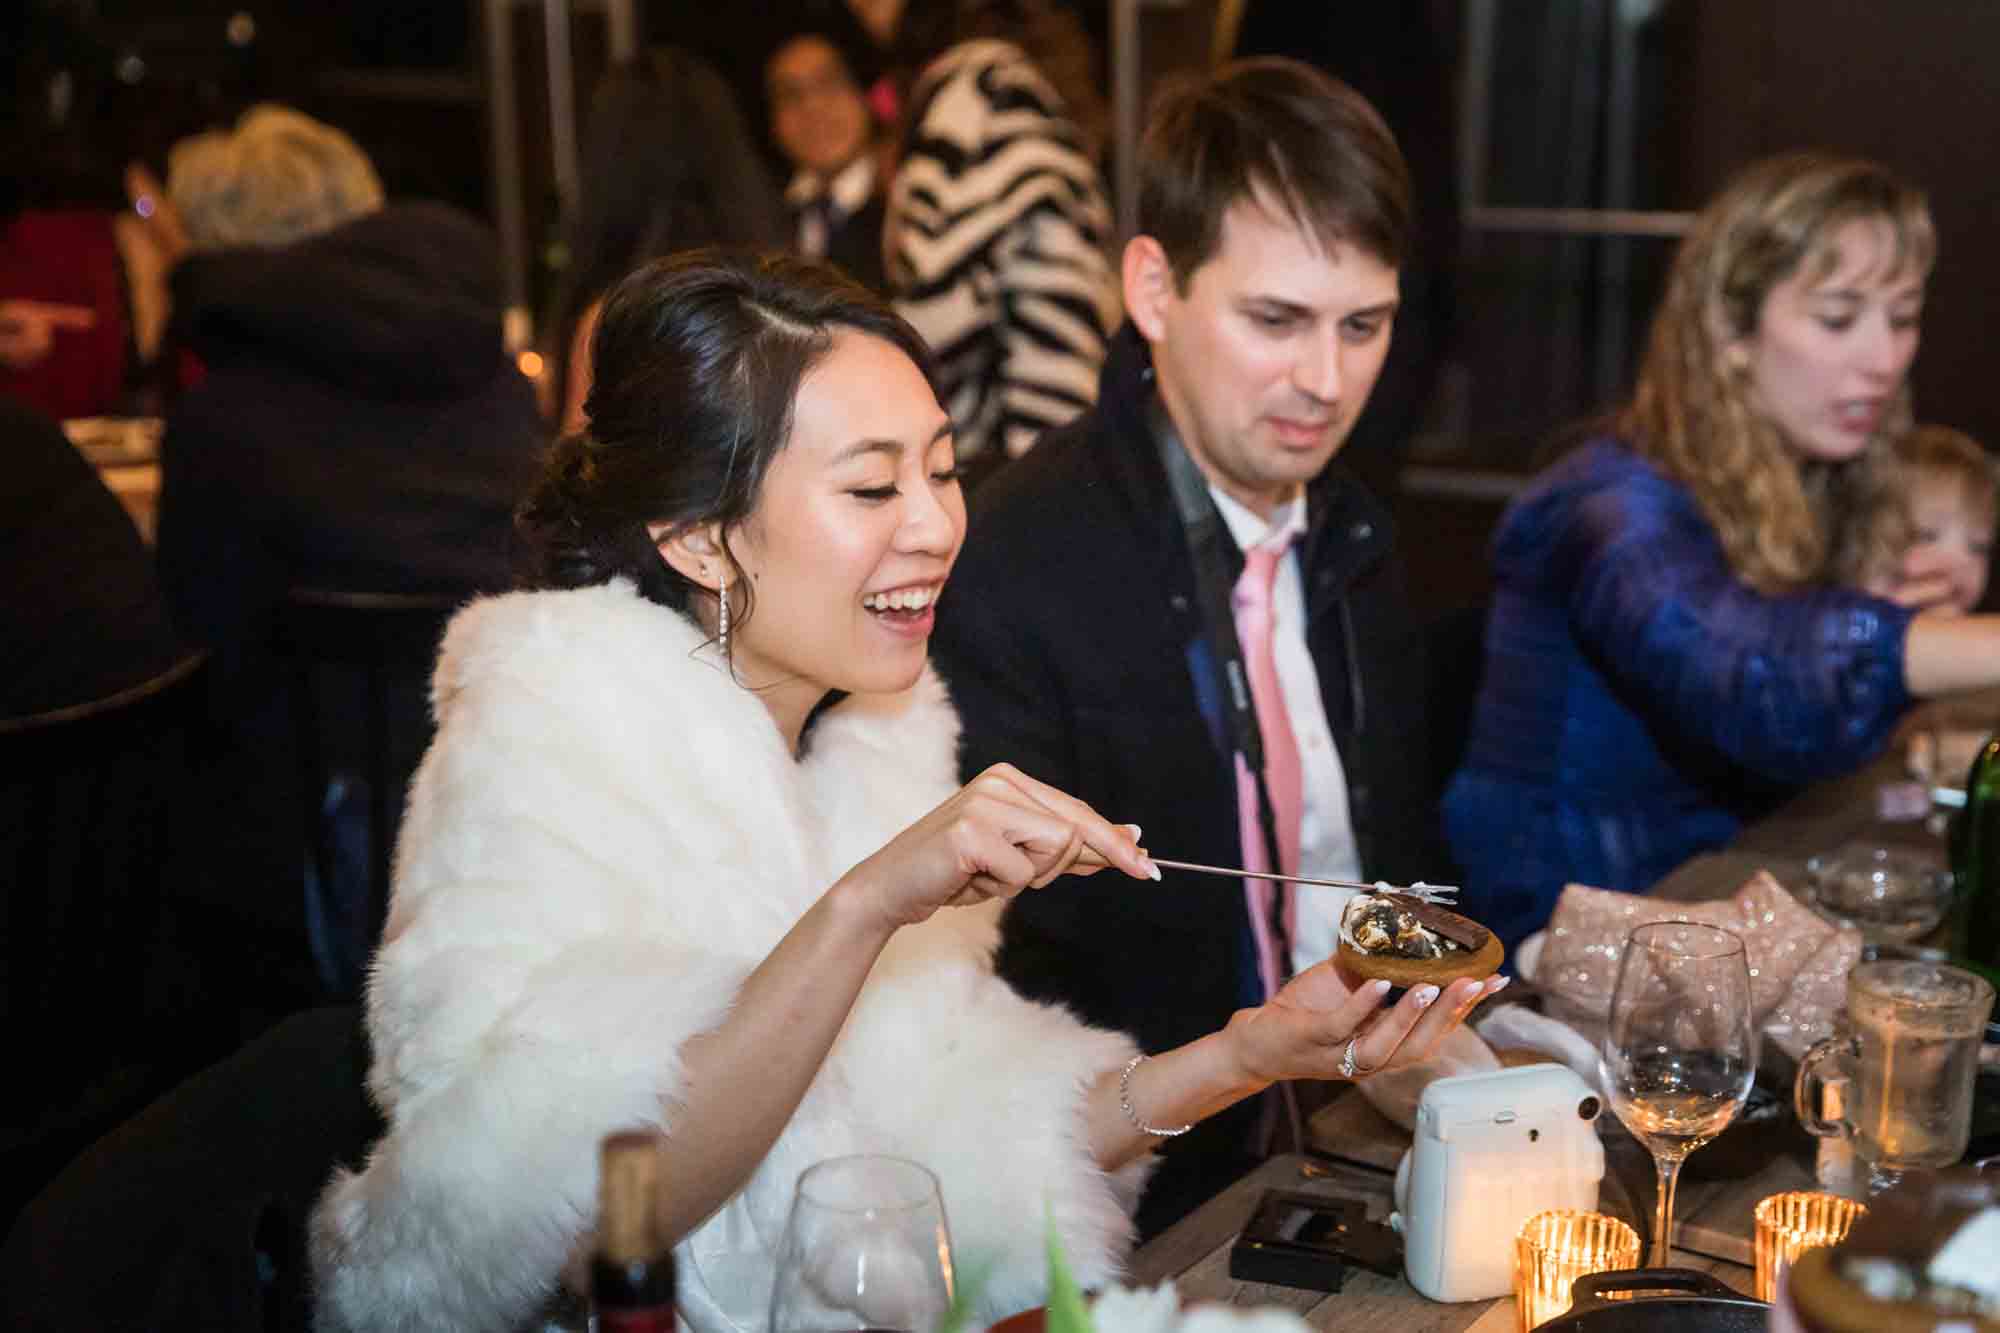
<point x="698" y="359"/>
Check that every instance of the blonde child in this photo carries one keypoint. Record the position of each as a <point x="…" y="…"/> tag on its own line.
<point x="1928" y="542"/>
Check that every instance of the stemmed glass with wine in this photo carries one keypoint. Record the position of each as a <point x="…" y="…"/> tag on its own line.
<point x="866" y="1250"/>
<point x="1680" y="1053"/>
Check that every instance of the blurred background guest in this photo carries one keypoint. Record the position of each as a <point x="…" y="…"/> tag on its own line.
<point x="823" y="125"/>
<point x="28" y="329"/>
<point x="83" y="304"/>
<point x="668" y="163"/>
<point x="276" y="177"/>
<point x="84" y="248"/>
<point x="737" y="42"/>
<point x="998" y="222"/>
<point x="1931" y="518"/>
<point x="360" y="429"/>
<point x="1666" y="654"/>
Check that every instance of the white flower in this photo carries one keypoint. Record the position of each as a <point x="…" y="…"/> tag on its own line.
<point x="1158" y="1310"/>
<point x="1147" y="1310"/>
<point x="1230" y="1319"/>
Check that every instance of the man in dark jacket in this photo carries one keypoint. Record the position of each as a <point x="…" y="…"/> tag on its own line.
<point x="1273" y="212"/>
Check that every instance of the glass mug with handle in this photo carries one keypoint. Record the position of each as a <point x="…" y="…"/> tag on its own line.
<point x="866" y="1250"/>
<point x="1908" y="1061"/>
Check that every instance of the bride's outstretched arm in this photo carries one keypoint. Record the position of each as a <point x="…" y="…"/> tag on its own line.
<point x="1000" y="834"/>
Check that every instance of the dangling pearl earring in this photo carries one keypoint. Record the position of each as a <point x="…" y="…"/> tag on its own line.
<point x="722" y="595"/>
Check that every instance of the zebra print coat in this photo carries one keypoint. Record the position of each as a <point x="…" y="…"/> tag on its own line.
<point x="996" y="243"/>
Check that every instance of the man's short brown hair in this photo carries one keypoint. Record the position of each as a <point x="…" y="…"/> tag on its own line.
<point x="1277" y="130"/>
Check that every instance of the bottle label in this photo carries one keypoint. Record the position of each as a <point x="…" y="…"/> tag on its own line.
<point x="655" y="1319"/>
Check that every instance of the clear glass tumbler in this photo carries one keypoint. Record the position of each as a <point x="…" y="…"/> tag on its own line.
<point x="866" y="1250"/>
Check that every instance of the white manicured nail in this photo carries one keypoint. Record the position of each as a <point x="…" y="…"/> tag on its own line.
<point x="1498" y="984"/>
<point x="1424" y="996"/>
<point x="1154" y="871"/>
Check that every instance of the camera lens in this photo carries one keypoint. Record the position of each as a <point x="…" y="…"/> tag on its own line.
<point x="1588" y="1108"/>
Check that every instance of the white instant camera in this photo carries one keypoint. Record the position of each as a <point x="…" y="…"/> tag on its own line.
<point x="1491" y="1151"/>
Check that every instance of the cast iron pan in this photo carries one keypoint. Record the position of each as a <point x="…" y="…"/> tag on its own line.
<point x="1698" y="1304"/>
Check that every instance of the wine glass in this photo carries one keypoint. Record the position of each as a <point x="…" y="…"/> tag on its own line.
<point x="1680" y="1053"/>
<point x="865" y="1250"/>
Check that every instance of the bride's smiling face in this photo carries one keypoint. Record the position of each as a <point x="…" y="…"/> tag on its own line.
<point x="856" y="527"/>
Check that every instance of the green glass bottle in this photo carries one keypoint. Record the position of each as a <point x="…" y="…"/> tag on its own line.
<point x="1975" y="865"/>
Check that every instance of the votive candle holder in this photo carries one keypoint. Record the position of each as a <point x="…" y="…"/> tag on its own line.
<point x="1791" y="1223"/>
<point x="1556" y="1248"/>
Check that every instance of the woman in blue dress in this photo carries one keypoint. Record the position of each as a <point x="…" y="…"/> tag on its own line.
<point x="1666" y="656"/>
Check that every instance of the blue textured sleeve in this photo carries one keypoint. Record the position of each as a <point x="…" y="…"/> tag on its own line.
<point x="1795" y="687"/>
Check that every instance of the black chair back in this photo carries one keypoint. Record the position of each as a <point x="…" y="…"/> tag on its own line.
<point x="193" y="1213"/>
<point x="89" y="803"/>
<point x="360" y="670"/>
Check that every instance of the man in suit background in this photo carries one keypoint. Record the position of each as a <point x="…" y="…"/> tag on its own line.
<point x="823" y="124"/>
<point x="1274" y="211"/>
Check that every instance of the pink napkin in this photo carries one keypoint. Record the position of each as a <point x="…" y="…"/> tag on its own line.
<point x="1798" y="960"/>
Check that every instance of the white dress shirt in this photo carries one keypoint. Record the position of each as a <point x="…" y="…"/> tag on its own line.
<point x="845" y="193"/>
<point x="1326" y="827"/>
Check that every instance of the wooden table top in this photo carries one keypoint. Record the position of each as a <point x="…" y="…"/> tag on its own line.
<point x="1356" y="1148"/>
<point x="126" y="453"/>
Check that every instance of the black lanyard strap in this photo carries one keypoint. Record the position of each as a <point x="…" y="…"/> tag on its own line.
<point x="1209" y="546"/>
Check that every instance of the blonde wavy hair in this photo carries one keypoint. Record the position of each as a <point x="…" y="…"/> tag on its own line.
<point x="1777" y="514"/>
<point x="279" y="176"/>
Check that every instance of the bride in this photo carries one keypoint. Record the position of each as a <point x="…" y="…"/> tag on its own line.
<point x="689" y="852"/>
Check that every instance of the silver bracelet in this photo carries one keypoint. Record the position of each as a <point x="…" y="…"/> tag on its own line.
<point x="1125" y="1104"/>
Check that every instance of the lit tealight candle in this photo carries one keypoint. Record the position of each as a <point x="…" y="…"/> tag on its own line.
<point x="1789" y="1224"/>
<point x="1556" y="1248"/>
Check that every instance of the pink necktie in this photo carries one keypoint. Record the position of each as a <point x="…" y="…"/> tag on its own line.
<point x="1281" y="763"/>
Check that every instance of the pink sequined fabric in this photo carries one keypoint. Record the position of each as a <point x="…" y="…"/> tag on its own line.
<point x="1798" y="961"/>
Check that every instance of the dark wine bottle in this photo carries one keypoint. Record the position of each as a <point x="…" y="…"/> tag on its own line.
<point x="1975" y="866"/>
<point x="632" y="1272"/>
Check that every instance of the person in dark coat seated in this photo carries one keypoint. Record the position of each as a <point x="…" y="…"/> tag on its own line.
<point x="360" y="429"/>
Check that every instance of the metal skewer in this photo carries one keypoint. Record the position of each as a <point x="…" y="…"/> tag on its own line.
<point x="1441" y="894"/>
